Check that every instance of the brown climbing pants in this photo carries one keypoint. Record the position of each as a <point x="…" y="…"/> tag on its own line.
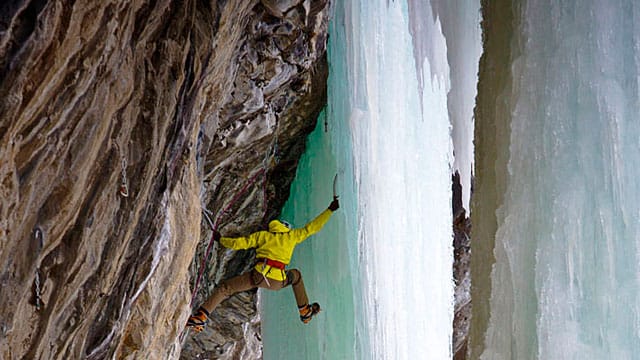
<point x="253" y="279"/>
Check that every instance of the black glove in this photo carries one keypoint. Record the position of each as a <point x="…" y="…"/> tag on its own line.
<point x="334" y="204"/>
<point x="216" y="235"/>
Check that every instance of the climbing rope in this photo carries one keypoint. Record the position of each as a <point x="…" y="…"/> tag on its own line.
<point x="215" y="225"/>
<point x="272" y="153"/>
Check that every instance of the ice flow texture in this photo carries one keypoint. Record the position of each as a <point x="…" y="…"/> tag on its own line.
<point x="382" y="267"/>
<point x="566" y="281"/>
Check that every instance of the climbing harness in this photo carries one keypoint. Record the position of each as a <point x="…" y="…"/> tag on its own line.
<point x="264" y="277"/>
<point x="273" y="264"/>
<point x="269" y="262"/>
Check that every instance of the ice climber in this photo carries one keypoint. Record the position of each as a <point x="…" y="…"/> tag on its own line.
<point x="274" y="249"/>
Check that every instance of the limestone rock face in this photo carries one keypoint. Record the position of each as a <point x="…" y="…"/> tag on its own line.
<point x="119" y="122"/>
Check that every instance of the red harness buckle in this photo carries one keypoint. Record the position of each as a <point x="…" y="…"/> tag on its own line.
<point x="273" y="263"/>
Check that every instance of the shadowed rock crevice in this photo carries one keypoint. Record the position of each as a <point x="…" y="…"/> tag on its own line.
<point x="461" y="273"/>
<point x="119" y="121"/>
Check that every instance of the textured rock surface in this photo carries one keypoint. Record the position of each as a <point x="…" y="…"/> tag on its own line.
<point x="186" y="103"/>
<point x="461" y="273"/>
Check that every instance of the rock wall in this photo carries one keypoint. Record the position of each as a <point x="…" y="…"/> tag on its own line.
<point x="461" y="273"/>
<point x="119" y="122"/>
<point x="492" y="137"/>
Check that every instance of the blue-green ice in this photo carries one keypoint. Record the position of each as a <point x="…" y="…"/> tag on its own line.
<point x="382" y="267"/>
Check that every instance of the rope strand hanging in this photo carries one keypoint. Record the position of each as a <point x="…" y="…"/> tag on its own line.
<point x="272" y="153"/>
<point x="214" y="225"/>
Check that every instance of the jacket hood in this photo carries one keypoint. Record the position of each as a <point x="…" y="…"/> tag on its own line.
<point x="276" y="226"/>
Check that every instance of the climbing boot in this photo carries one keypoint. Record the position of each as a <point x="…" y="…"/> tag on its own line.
<point x="198" y="320"/>
<point x="308" y="311"/>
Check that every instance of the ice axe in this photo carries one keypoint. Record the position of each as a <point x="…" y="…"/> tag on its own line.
<point x="335" y="194"/>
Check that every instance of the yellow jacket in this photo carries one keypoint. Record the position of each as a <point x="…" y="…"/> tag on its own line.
<point x="277" y="243"/>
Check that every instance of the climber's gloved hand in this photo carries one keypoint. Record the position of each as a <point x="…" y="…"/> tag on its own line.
<point x="334" y="204"/>
<point x="216" y="235"/>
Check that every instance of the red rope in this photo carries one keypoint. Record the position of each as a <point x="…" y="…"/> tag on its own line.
<point x="252" y="180"/>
